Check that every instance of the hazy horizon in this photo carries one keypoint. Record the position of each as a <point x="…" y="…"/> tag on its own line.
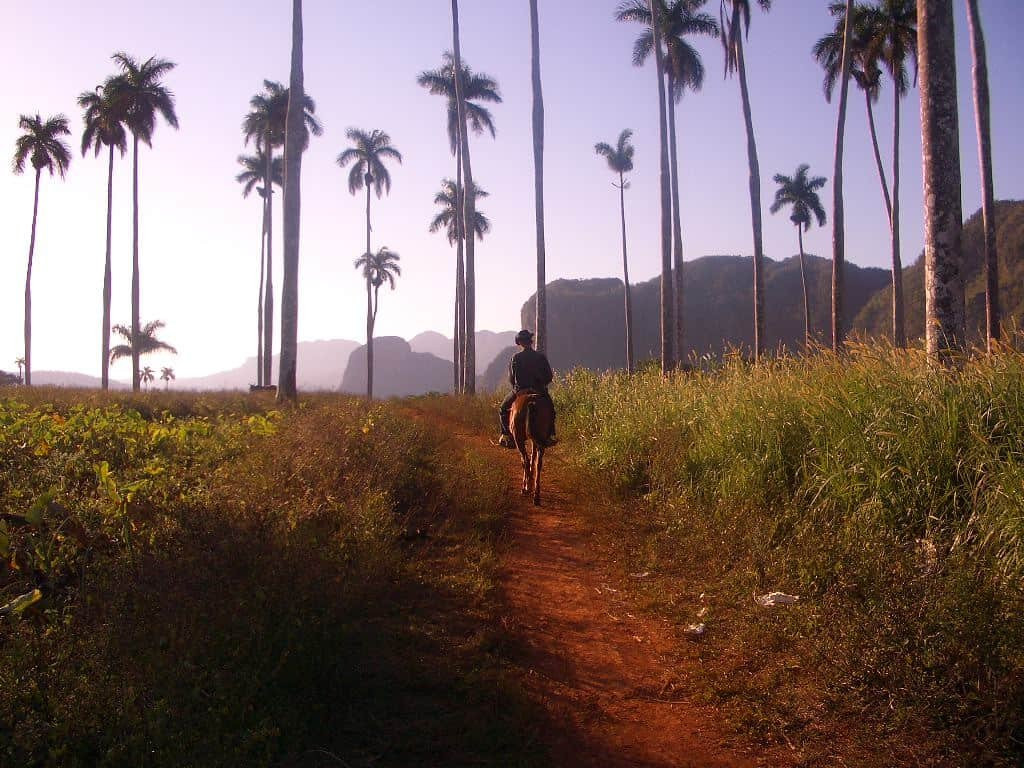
<point x="200" y="240"/>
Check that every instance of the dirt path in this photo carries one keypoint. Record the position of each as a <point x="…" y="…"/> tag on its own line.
<point x="601" y="671"/>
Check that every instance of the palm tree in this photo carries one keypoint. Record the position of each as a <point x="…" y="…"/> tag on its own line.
<point x="368" y="170"/>
<point x="540" y="321"/>
<point x="476" y="88"/>
<point x="838" y="217"/>
<point x="685" y="70"/>
<point x="940" y="149"/>
<point x="20" y="362"/>
<point x="801" y="194"/>
<point x="254" y="170"/>
<point x="296" y="139"/>
<point x="145" y="342"/>
<point x="892" y="42"/>
<point x="264" y="125"/>
<point x="377" y="268"/>
<point x="104" y="127"/>
<point x="167" y="376"/>
<point x="620" y="161"/>
<point x="140" y="97"/>
<point x="988" y="211"/>
<point x="40" y="145"/>
<point x="146" y="376"/>
<point x="735" y="23"/>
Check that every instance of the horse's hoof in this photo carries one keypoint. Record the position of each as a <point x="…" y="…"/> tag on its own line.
<point x="536" y="502"/>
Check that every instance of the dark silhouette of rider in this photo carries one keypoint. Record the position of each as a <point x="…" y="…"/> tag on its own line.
<point x="528" y="369"/>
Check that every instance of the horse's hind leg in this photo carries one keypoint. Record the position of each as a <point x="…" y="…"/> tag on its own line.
<point x="538" y="465"/>
<point x="527" y="468"/>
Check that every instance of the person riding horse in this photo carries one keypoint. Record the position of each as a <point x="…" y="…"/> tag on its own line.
<point x="528" y="369"/>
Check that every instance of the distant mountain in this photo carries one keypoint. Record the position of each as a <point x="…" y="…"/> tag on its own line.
<point x="320" y="367"/>
<point x="875" y="318"/>
<point x="586" y="324"/>
<point x="495" y="377"/>
<point x="398" y="371"/>
<point x="72" y="380"/>
<point x="488" y="345"/>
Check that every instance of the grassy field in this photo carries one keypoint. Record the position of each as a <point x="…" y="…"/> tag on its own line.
<point x="224" y="584"/>
<point x="888" y="496"/>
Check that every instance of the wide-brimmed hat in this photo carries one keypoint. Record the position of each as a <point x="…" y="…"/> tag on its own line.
<point x="524" y="337"/>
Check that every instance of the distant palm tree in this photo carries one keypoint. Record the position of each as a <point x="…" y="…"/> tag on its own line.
<point x="253" y="173"/>
<point x="104" y="127"/>
<point x="147" y="376"/>
<point x="988" y="203"/>
<point x="620" y="161"/>
<point x="368" y="170"/>
<point x="20" y="362"/>
<point x="940" y="149"/>
<point x="684" y="70"/>
<point x="296" y="138"/>
<point x="377" y="268"/>
<point x="143" y="343"/>
<point x="264" y="125"/>
<point x="41" y="146"/>
<point x="735" y="18"/>
<point x="476" y="88"/>
<point x="167" y="376"/>
<point x="801" y="194"/>
<point x="140" y="96"/>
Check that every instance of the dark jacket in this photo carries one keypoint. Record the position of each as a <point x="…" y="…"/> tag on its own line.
<point x="529" y="369"/>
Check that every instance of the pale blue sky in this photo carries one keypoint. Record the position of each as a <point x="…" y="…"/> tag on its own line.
<point x="200" y="239"/>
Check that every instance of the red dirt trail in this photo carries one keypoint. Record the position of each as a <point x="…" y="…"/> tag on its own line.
<point x="602" y="671"/>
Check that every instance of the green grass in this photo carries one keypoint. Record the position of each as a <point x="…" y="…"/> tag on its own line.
<point x="888" y="495"/>
<point x="225" y="584"/>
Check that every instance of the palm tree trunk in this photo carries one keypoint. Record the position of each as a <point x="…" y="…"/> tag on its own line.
<point x="260" y="381"/>
<point x="667" y="326"/>
<point x="469" y="217"/>
<point x="293" y="141"/>
<point x="538" y="176"/>
<point x="369" y="305"/>
<point x="136" y="312"/>
<point x="460" y="276"/>
<point x="988" y="203"/>
<point x="803" y="283"/>
<point x="625" y="277"/>
<point x="878" y="157"/>
<point x="899" y="332"/>
<point x="677" y="230"/>
<point x="940" y="146"/>
<point x="28" y="284"/>
<point x="755" y="204"/>
<point x="838" y="219"/>
<point x="268" y="296"/>
<point x="107" y="279"/>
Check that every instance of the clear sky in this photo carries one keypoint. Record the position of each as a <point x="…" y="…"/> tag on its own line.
<point x="200" y="239"/>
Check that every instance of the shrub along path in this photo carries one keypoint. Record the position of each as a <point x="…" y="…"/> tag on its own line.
<point x="602" y="672"/>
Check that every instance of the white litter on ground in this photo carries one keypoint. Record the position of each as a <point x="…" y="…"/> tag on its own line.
<point x="776" y="598"/>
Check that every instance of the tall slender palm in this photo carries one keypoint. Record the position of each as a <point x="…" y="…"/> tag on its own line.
<point x="620" y="161"/>
<point x="141" y="97"/>
<point x="167" y="376"/>
<point x="377" y="268"/>
<point x="680" y="19"/>
<point x="295" y="141"/>
<point x="20" y="362"/>
<point x="541" y="305"/>
<point x="367" y="157"/>
<point x="476" y="88"/>
<point x="988" y="211"/>
<point x="892" y="44"/>
<point x="264" y="125"/>
<point x="734" y="16"/>
<point x="940" y="149"/>
<point x="801" y="193"/>
<point x="254" y="172"/>
<point x="147" y="376"/>
<point x="104" y="127"/>
<point x="43" y="148"/>
<point x="838" y="214"/>
<point x="144" y="342"/>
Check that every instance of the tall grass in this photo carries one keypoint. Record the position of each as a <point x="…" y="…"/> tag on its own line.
<point x="890" y="495"/>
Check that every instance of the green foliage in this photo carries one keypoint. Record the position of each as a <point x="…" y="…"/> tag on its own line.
<point x="223" y="584"/>
<point x="886" y="493"/>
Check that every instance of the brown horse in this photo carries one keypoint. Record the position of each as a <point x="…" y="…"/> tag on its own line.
<point x="533" y="419"/>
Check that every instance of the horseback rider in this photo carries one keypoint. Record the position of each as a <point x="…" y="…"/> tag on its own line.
<point x="528" y="369"/>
